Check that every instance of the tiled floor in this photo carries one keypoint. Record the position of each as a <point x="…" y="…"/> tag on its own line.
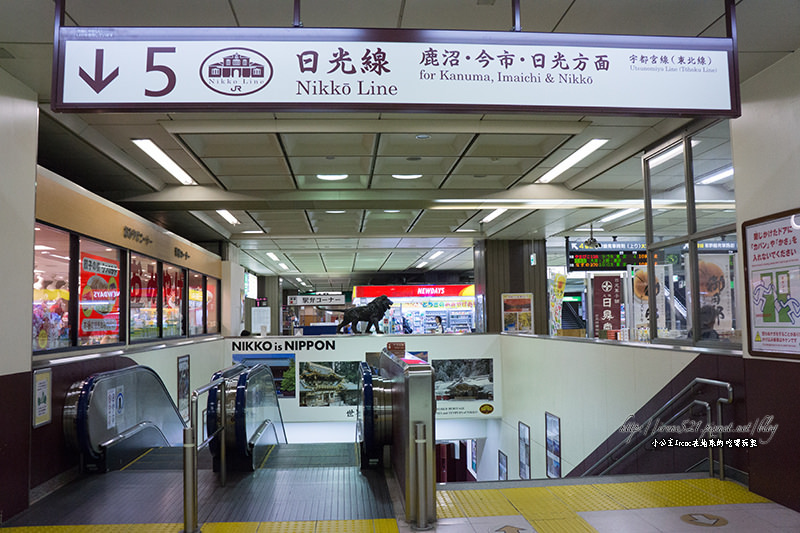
<point x="665" y="506"/>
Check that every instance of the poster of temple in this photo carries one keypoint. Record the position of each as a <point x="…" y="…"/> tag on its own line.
<point x="464" y="387"/>
<point x="329" y="383"/>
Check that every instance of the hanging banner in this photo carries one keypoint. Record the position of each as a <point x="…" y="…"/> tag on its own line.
<point x="642" y="294"/>
<point x="557" y="286"/>
<point x="272" y="68"/>
<point x="772" y="272"/>
<point x="715" y="291"/>
<point x="607" y="304"/>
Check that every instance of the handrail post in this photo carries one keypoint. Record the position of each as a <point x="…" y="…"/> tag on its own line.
<point x="223" y="471"/>
<point x="422" y="485"/>
<point x="190" y="470"/>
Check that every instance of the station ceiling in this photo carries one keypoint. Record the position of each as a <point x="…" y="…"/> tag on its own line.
<point x="372" y="228"/>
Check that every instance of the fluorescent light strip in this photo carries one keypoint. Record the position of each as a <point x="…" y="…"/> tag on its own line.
<point x="283" y="266"/>
<point x="717" y="176"/>
<point x="618" y="214"/>
<point x="272" y="256"/>
<point x="332" y="177"/>
<point x="493" y="215"/>
<point x="437" y="254"/>
<point x="406" y="176"/>
<point x="224" y="213"/>
<point x="580" y="154"/>
<point x="166" y="162"/>
<point x="422" y="264"/>
<point x="253" y="231"/>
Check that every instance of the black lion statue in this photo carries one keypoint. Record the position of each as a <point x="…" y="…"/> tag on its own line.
<point x="372" y="313"/>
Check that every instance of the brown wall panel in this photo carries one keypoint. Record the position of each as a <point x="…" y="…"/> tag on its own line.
<point x="772" y="390"/>
<point x="15" y="419"/>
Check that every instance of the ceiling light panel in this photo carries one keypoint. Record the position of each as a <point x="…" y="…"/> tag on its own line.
<point x="212" y="145"/>
<point x="439" y="145"/>
<point x="515" y="145"/>
<point x="310" y="261"/>
<point x="164" y="161"/>
<point x="367" y="260"/>
<point x="572" y="160"/>
<point x="328" y="144"/>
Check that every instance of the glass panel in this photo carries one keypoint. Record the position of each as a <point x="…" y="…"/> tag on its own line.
<point x="212" y="313"/>
<point x="668" y="192"/>
<point x="144" y="298"/>
<point x="196" y="309"/>
<point x="172" y="309"/>
<point x="98" y="319"/>
<point x="672" y="312"/>
<point x="712" y="167"/>
<point x="50" y="289"/>
<point x="717" y="263"/>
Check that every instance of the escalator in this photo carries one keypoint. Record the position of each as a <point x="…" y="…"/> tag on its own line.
<point x="126" y="420"/>
<point x="112" y="418"/>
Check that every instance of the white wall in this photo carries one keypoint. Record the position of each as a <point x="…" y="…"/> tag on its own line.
<point x="232" y="287"/>
<point x="592" y="387"/>
<point x="205" y="358"/>
<point x="766" y="146"/>
<point x="18" y="141"/>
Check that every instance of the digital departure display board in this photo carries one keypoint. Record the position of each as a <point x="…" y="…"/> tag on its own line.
<point x="605" y="261"/>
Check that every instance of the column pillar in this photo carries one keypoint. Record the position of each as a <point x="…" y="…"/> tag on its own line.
<point x="505" y="267"/>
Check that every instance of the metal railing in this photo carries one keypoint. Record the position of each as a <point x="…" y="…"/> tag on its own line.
<point x="190" y="449"/>
<point x="671" y="403"/>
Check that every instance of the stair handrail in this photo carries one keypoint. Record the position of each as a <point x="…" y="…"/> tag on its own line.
<point x="670" y="403"/>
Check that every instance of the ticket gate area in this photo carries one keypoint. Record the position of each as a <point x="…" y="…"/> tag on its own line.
<point x="396" y="410"/>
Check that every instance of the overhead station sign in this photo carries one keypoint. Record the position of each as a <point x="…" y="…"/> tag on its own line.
<point x="251" y="68"/>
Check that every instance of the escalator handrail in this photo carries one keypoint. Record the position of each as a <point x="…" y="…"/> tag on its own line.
<point x="240" y="428"/>
<point x="133" y="430"/>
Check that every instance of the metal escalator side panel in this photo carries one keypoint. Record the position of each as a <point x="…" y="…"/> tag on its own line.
<point x="74" y="419"/>
<point x="110" y="403"/>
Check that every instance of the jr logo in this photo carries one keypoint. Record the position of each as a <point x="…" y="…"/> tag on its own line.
<point x="236" y="71"/>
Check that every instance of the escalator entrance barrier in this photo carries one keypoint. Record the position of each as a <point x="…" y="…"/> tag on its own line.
<point x="397" y="409"/>
<point x="254" y="422"/>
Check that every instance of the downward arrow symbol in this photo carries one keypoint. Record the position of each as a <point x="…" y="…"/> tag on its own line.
<point x="98" y="83"/>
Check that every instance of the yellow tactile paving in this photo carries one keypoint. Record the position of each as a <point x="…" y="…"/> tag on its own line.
<point x="563" y="525"/>
<point x="537" y="503"/>
<point x="728" y="491"/>
<point x="635" y="495"/>
<point x="484" y="502"/>
<point x="345" y="526"/>
<point x="231" y="527"/>
<point x="582" y="498"/>
<point x="99" y="528"/>
<point x="446" y="506"/>
<point x="386" y="525"/>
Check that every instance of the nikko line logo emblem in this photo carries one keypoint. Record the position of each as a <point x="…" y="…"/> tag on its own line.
<point x="236" y="71"/>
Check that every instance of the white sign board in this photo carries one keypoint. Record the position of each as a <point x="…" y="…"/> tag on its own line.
<point x="773" y="285"/>
<point x="316" y="299"/>
<point x="221" y="68"/>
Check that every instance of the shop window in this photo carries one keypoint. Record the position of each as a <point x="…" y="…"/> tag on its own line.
<point x="212" y="305"/>
<point x="98" y="287"/>
<point x="172" y="322"/>
<point x="196" y="309"/>
<point x="51" y="291"/>
<point x="143" y="298"/>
